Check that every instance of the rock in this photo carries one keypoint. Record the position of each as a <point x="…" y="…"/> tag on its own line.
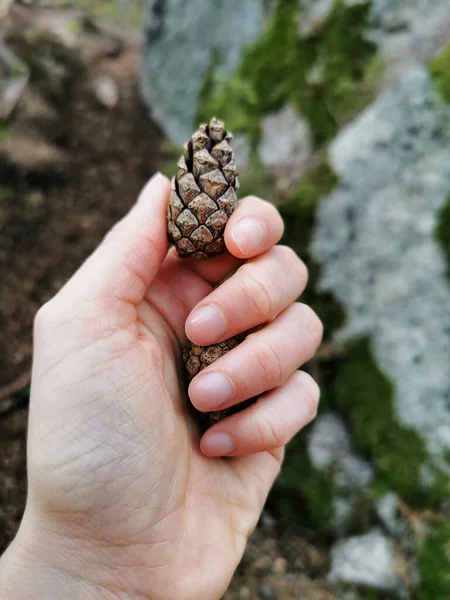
<point x="279" y="565"/>
<point x="367" y="559"/>
<point x="244" y="593"/>
<point x="266" y="592"/>
<point x="5" y="5"/>
<point x="407" y="32"/>
<point x="14" y="76"/>
<point x="106" y="91"/>
<point x="387" y="511"/>
<point x="376" y="243"/>
<point x="182" y="40"/>
<point x="263" y="564"/>
<point x="314" y="13"/>
<point x="286" y="146"/>
<point x="29" y="155"/>
<point x="329" y="447"/>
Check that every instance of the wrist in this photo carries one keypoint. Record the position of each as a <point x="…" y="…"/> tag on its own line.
<point x="35" y="567"/>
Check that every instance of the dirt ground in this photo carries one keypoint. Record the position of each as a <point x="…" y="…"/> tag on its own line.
<point x="72" y="162"/>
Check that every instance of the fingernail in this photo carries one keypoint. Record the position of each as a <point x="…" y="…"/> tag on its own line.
<point x="247" y="235"/>
<point x="211" y="391"/>
<point x="217" y="444"/>
<point x="206" y="324"/>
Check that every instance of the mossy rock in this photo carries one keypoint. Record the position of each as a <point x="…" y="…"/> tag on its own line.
<point x="440" y="71"/>
<point x="365" y="396"/>
<point x="276" y="71"/>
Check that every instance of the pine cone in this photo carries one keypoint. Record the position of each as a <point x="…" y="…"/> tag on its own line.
<point x="196" y="358"/>
<point x="203" y="193"/>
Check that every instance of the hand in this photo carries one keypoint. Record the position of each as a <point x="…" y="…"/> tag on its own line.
<point x="123" y="500"/>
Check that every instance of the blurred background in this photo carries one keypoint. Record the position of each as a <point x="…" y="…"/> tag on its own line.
<point x="341" y="116"/>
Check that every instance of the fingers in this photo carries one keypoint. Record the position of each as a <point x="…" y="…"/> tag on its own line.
<point x="270" y="423"/>
<point x="265" y="360"/>
<point x="129" y="257"/>
<point x="254" y="228"/>
<point x="260" y="290"/>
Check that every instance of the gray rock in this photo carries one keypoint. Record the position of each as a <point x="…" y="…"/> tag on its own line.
<point x="266" y="592"/>
<point x="408" y="31"/>
<point x="286" y="146"/>
<point x="315" y="12"/>
<point x="106" y="91"/>
<point x="14" y="76"/>
<point x="375" y="242"/>
<point x="182" y="40"/>
<point x="387" y="511"/>
<point x="367" y="559"/>
<point x="329" y="447"/>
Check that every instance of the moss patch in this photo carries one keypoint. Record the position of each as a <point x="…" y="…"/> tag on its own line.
<point x="440" y="71"/>
<point x="302" y="493"/>
<point x="130" y="11"/>
<point x="443" y="232"/>
<point x="366" y="397"/>
<point x="434" y="561"/>
<point x="299" y="214"/>
<point x="278" y="69"/>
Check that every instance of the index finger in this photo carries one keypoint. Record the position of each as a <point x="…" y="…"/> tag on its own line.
<point x="253" y="229"/>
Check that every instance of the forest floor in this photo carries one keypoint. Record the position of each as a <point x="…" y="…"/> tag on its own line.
<point x="74" y="154"/>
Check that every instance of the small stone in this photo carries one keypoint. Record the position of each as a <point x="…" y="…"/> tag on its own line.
<point x="367" y="559"/>
<point x="266" y="592"/>
<point x="244" y="593"/>
<point x="279" y="565"/>
<point x="106" y="91"/>
<point x="263" y="564"/>
<point x="35" y="199"/>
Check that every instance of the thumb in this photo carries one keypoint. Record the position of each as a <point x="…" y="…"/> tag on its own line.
<point x="128" y="259"/>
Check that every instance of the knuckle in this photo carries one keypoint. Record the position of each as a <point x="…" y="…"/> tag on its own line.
<point x="311" y="394"/>
<point x="258" y="295"/>
<point x="270" y="364"/>
<point x="267" y="431"/>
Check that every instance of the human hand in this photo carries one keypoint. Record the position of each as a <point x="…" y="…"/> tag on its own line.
<point x="124" y="502"/>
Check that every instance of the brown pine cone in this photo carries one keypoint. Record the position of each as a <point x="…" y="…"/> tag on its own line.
<point x="196" y="358"/>
<point x="203" y="193"/>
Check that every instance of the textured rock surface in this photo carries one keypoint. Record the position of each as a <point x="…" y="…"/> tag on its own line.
<point x="375" y="241"/>
<point x="367" y="559"/>
<point x="183" y="39"/>
<point x="330" y="451"/>
<point x="286" y="146"/>
<point x="329" y="447"/>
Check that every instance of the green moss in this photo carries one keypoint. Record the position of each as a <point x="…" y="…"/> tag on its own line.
<point x="6" y="194"/>
<point x="443" y="231"/>
<point x="302" y="493"/>
<point x="129" y="11"/>
<point x="277" y="70"/>
<point x="5" y="134"/>
<point x="434" y="565"/>
<point x="440" y="71"/>
<point x="365" y="395"/>
<point x="299" y="214"/>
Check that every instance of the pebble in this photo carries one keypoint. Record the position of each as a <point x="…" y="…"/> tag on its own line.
<point x="266" y="592"/>
<point x="279" y="565"/>
<point x="263" y="564"/>
<point x="244" y="593"/>
<point x="106" y="91"/>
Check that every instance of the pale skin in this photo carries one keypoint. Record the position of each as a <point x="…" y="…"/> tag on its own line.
<point x="126" y="500"/>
